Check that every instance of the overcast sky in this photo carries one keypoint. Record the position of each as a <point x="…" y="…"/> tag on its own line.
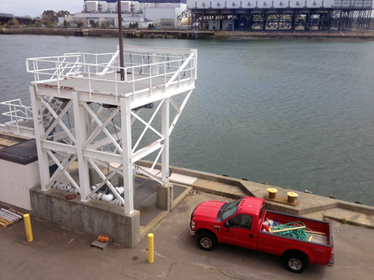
<point x="35" y="8"/>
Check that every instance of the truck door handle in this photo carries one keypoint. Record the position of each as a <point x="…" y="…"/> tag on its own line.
<point x="250" y="235"/>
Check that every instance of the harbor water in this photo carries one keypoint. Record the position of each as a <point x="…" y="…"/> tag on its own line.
<point x="296" y="114"/>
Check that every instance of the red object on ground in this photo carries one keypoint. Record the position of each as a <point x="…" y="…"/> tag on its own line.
<point x="240" y="223"/>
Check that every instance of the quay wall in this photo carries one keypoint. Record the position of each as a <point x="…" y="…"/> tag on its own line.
<point x="96" y="32"/>
<point x="192" y="34"/>
<point x="261" y="189"/>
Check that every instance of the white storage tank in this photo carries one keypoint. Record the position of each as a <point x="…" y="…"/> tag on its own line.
<point x="96" y="6"/>
<point x="125" y="6"/>
<point x="134" y="6"/>
<point x="130" y="6"/>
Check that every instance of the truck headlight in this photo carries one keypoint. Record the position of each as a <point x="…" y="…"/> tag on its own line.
<point x="192" y="225"/>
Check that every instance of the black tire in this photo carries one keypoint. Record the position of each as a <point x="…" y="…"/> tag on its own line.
<point x="295" y="262"/>
<point x="207" y="241"/>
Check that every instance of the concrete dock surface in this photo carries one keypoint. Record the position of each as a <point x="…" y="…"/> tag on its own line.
<point x="62" y="253"/>
<point x="308" y="204"/>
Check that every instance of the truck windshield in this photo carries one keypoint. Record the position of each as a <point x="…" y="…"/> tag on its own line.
<point x="230" y="209"/>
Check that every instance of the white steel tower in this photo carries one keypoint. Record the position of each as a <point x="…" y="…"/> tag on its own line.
<point x="83" y="114"/>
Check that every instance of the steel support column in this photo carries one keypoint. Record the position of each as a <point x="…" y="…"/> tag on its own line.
<point x="127" y="155"/>
<point x="165" y="132"/>
<point x="80" y="121"/>
<point x="39" y="133"/>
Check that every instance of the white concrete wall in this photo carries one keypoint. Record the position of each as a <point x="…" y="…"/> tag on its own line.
<point x="15" y="182"/>
<point x="155" y="13"/>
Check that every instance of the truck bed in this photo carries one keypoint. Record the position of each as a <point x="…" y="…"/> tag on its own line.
<point x="318" y="248"/>
<point x="321" y="230"/>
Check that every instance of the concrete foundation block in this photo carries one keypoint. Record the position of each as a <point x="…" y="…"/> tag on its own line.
<point x="165" y="195"/>
<point x="93" y="217"/>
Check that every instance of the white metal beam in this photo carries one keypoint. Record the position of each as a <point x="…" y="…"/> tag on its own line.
<point x="171" y="80"/>
<point x="116" y="170"/>
<point x="59" y="172"/>
<point x="165" y="123"/>
<point x="50" y="109"/>
<point x="109" y="184"/>
<point x="54" y="123"/>
<point x="127" y="155"/>
<point x="79" y="122"/>
<point x="179" y="110"/>
<point x="102" y="126"/>
<point x="39" y="131"/>
<point x="139" y="154"/>
<point x="147" y="125"/>
<point x="150" y="175"/>
<point x="63" y="169"/>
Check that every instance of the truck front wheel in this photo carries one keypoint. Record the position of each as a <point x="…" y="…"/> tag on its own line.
<point x="206" y="241"/>
<point x="295" y="262"/>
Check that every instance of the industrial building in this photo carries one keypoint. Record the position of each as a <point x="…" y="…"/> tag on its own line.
<point x="161" y="13"/>
<point x="262" y="15"/>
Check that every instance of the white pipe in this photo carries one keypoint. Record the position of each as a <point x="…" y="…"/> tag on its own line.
<point x="120" y="190"/>
<point x="12" y="213"/>
<point x="107" y="197"/>
<point x="63" y="187"/>
<point x="7" y="216"/>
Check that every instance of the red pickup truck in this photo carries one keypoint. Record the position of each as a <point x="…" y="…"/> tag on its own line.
<point x="246" y="223"/>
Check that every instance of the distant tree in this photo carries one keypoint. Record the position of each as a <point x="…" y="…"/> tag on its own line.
<point x="48" y="17"/>
<point x="38" y="24"/>
<point x="151" y="26"/>
<point x="94" y="24"/>
<point x="62" y="13"/>
<point x="105" y="24"/>
<point x="80" y="24"/>
<point x="134" y="25"/>
<point x="13" y="21"/>
<point x="66" y="23"/>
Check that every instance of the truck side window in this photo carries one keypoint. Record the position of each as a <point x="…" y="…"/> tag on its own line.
<point x="241" y="221"/>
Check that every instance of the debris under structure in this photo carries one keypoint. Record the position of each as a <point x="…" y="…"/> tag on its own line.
<point x="92" y="129"/>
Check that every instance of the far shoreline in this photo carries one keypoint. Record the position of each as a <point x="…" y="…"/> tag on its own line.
<point x="195" y="34"/>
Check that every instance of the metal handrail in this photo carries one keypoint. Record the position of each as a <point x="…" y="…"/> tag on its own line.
<point x="17" y="112"/>
<point x="63" y="69"/>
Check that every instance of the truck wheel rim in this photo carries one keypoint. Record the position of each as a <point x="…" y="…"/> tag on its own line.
<point x="295" y="264"/>
<point x="206" y="242"/>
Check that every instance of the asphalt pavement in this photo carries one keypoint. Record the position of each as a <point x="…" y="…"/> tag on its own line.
<point x="62" y="253"/>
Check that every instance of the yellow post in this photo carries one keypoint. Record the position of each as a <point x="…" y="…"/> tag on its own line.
<point x="28" y="229"/>
<point x="151" y="248"/>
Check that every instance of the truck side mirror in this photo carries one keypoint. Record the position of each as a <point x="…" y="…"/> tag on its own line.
<point x="226" y="225"/>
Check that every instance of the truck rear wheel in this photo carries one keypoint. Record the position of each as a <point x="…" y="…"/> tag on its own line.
<point x="295" y="262"/>
<point x="207" y="241"/>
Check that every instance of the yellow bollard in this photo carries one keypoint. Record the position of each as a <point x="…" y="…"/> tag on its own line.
<point x="151" y="248"/>
<point x="28" y="229"/>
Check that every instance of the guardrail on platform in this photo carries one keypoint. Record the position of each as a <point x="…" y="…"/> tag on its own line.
<point x="141" y="64"/>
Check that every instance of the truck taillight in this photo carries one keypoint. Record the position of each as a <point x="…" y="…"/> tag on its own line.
<point x="330" y="256"/>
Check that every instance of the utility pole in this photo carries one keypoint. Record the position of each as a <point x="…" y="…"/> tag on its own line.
<point x="120" y="35"/>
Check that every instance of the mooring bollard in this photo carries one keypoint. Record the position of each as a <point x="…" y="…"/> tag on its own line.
<point x="151" y="248"/>
<point x="28" y="229"/>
